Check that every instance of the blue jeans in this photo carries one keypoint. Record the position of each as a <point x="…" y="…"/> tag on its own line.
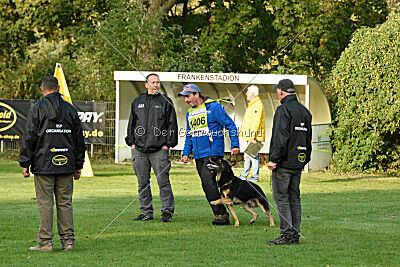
<point x="248" y="162"/>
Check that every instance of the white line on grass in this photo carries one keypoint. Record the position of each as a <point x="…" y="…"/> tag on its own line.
<point x="113" y="220"/>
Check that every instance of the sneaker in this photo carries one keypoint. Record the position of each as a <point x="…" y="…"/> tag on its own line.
<point x="143" y="217"/>
<point x="221" y="220"/>
<point x="282" y="240"/>
<point x="253" y="180"/>
<point x="166" y="217"/>
<point x="45" y="248"/>
<point x="67" y="246"/>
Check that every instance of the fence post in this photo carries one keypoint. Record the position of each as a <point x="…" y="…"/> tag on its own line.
<point x="91" y="150"/>
<point x="2" y="146"/>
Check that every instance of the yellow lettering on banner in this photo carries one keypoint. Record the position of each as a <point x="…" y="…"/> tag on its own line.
<point x="6" y="116"/>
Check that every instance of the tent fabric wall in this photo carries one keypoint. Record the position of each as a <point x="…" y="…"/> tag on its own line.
<point x="225" y="85"/>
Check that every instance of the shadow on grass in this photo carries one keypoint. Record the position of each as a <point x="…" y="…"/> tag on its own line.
<point x="113" y="174"/>
<point x="350" y="179"/>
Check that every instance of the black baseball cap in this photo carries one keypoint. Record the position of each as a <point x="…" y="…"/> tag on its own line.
<point x="285" y="85"/>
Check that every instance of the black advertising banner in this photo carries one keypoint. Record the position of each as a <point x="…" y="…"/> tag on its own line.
<point x="13" y="114"/>
<point x="92" y="116"/>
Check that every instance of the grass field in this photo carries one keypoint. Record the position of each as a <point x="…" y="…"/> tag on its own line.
<point x="347" y="220"/>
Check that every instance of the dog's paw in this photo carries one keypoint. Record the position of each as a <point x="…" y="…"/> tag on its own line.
<point x="214" y="202"/>
<point x="237" y="224"/>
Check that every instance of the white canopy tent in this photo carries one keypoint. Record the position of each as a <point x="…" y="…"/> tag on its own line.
<point x="130" y="84"/>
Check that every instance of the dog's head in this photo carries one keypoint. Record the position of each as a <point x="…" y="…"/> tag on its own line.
<point x="222" y="167"/>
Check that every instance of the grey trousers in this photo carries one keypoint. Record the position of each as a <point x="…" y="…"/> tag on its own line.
<point x="161" y="163"/>
<point x="286" y="193"/>
<point x="61" y="186"/>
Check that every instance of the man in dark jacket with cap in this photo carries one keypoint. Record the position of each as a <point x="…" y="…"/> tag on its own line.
<point x="152" y="130"/>
<point x="289" y="152"/>
<point x="53" y="147"/>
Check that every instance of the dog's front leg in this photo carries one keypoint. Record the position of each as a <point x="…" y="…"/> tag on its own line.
<point x="226" y="201"/>
<point x="233" y="212"/>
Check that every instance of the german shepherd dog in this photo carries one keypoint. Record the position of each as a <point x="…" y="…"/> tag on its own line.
<point x="236" y="191"/>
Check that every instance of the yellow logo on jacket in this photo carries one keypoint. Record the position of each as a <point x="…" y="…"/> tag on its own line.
<point x="302" y="157"/>
<point x="59" y="160"/>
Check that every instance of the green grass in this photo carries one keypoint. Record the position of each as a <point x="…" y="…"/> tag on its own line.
<point x="347" y="220"/>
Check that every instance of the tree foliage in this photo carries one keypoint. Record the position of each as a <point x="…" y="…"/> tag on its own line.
<point x="327" y="25"/>
<point x="127" y="39"/>
<point x="170" y="35"/>
<point x="364" y="85"/>
<point x="241" y="31"/>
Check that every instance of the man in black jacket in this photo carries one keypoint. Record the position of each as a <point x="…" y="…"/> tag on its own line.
<point x="289" y="152"/>
<point x="152" y="130"/>
<point x="54" y="148"/>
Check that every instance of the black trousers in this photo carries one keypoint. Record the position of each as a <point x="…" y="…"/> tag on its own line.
<point x="286" y="193"/>
<point x="209" y="185"/>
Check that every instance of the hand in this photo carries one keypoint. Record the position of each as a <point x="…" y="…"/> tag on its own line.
<point x="77" y="174"/>
<point x="254" y="141"/>
<point x="133" y="146"/>
<point x="271" y="165"/>
<point x="185" y="159"/>
<point x="25" y="172"/>
<point x="165" y="147"/>
<point x="235" y="151"/>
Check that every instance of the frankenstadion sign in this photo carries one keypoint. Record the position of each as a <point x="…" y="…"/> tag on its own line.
<point x="13" y="115"/>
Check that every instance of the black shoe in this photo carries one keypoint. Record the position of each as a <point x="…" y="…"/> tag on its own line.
<point x="143" y="217"/>
<point x="166" y="217"/>
<point x="282" y="240"/>
<point x="221" y="220"/>
<point x="295" y="239"/>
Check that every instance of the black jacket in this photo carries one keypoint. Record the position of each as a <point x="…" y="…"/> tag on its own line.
<point x="53" y="142"/>
<point x="152" y="123"/>
<point x="291" y="135"/>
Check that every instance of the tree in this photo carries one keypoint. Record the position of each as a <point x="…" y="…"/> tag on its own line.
<point x="364" y="85"/>
<point x="328" y="26"/>
<point x="35" y="34"/>
<point x="241" y="32"/>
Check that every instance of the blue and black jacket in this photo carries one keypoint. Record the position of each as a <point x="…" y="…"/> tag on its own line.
<point x="212" y="144"/>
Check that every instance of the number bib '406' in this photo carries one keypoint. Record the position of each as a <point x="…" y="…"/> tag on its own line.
<point x="198" y="121"/>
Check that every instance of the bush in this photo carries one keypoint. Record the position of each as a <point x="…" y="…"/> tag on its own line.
<point x="364" y="87"/>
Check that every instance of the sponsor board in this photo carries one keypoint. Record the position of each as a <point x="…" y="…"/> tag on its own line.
<point x="13" y="115"/>
<point x="8" y="117"/>
<point x="92" y="116"/>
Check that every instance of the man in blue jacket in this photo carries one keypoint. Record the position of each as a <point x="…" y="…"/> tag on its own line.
<point x="206" y="120"/>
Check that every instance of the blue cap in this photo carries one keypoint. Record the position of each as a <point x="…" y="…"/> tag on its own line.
<point x="188" y="89"/>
